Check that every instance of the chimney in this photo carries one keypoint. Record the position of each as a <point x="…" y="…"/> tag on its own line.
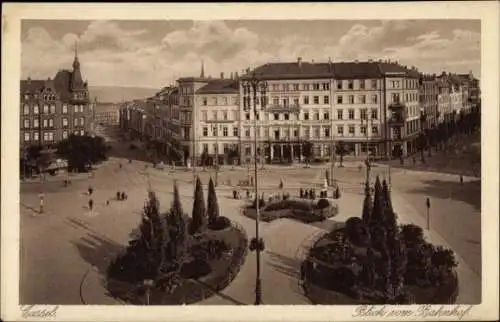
<point x="231" y="75"/>
<point x="221" y="75"/>
<point x="299" y="61"/>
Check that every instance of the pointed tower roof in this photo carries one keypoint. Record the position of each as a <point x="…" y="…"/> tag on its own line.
<point x="76" y="76"/>
<point x="202" y="74"/>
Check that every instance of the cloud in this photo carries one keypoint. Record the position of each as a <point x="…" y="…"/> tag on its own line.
<point x="212" y="39"/>
<point x="110" y="54"/>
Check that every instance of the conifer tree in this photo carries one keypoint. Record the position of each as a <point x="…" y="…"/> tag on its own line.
<point x="153" y="237"/>
<point x="378" y="206"/>
<point x="389" y="217"/>
<point x="387" y="195"/>
<point x="198" y="220"/>
<point x="178" y="228"/>
<point x="212" y="203"/>
<point x="367" y="209"/>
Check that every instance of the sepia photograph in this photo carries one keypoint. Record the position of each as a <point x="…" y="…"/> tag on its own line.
<point x="224" y="161"/>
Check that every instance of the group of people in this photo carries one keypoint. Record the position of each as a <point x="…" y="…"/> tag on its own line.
<point x="121" y="195"/>
<point x="311" y="193"/>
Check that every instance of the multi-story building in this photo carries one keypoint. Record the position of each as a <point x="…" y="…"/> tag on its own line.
<point x="371" y="107"/>
<point x="52" y="109"/>
<point x="429" y="92"/>
<point x="106" y="113"/>
<point x="299" y="108"/>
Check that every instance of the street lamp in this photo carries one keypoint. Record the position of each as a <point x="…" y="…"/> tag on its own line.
<point x="251" y="87"/>
<point x="423" y="118"/>
<point x="215" y="129"/>
<point x="367" y="161"/>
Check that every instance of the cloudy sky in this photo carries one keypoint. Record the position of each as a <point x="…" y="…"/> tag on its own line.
<point x="154" y="53"/>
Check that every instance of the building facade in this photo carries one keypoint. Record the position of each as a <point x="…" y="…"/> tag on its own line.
<point x="371" y="108"/>
<point x="52" y="109"/>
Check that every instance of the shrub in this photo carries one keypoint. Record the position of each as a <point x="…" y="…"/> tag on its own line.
<point x="353" y="229"/>
<point x="209" y="249"/>
<point x="195" y="269"/>
<point x="413" y="235"/>
<point x="220" y="223"/>
<point x="322" y="203"/>
<point x="443" y="258"/>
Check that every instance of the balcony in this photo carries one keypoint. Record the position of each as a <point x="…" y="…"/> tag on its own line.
<point x="279" y="108"/>
<point x="397" y="105"/>
<point x="396" y="120"/>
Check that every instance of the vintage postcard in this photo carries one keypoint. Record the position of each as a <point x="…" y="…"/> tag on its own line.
<point x="250" y="162"/>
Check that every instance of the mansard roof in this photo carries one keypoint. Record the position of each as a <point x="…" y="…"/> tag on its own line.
<point x="220" y="86"/>
<point x="339" y="70"/>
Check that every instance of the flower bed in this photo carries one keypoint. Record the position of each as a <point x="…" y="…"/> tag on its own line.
<point x="303" y="210"/>
<point x="222" y="273"/>
<point x="373" y="260"/>
<point x="322" y="279"/>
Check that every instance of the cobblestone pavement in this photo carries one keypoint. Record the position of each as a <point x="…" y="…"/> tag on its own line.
<point x="59" y="246"/>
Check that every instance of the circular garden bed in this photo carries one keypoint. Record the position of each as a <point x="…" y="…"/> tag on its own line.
<point x="304" y="210"/>
<point x="372" y="260"/>
<point x="175" y="259"/>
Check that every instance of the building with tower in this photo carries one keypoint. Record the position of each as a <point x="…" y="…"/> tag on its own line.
<point x="52" y="109"/>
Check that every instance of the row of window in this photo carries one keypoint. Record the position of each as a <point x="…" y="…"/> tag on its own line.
<point x="51" y="109"/>
<point x="317" y="116"/>
<point x="287" y="87"/>
<point x="48" y="136"/>
<point x="226" y="147"/>
<point x="218" y="101"/>
<point x="286" y="131"/>
<point x="45" y="97"/>
<point x="49" y="123"/>
<point x="286" y="116"/>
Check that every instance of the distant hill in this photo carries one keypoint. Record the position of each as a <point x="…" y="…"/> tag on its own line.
<point x="116" y="94"/>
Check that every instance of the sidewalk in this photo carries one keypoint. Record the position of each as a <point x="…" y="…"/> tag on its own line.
<point x="470" y="283"/>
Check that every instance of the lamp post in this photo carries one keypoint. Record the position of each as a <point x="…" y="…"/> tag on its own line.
<point x="216" y="129"/>
<point x="423" y="118"/>
<point x="367" y="161"/>
<point x="252" y="86"/>
<point x="428" y="206"/>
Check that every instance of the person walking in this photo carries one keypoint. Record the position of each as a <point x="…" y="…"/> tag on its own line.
<point x="91" y="204"/>
<point x="90" y="190"/>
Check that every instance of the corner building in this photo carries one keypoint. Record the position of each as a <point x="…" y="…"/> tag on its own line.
<point x="371" y="107"/>
<point x="52" y="109"/>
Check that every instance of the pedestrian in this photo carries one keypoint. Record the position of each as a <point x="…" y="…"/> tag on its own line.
<point x="301" y="193"/>
<point x="91" y="203"/>
<point x="123" y="196"/>
<point x="461" y="179"/>
<point x="118" y="195"/>
<point x="120" y="165"/>
<point x="90" y="190"/>
<point x="281" y="184"/>
<point x="248" y="194"/>
<point x="107" y="202"/>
